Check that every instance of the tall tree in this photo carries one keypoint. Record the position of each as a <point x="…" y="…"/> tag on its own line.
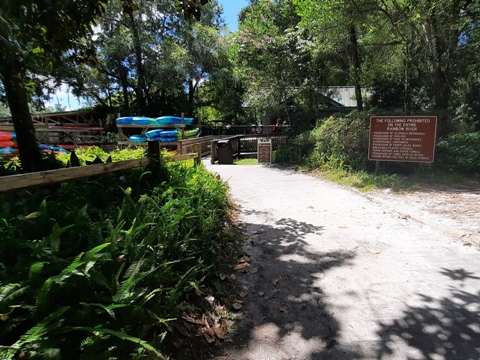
<point x="34" y="34"/>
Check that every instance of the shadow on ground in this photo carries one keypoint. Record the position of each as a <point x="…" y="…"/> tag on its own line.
<point x="283" y="297"/>
<point x="444" y="328"/>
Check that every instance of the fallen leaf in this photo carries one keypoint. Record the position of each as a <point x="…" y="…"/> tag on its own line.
<point x="239" y="301"/>
<point x="221" y="330"/>
<point x="192" y="320"/>
<point x="222" y="276"/>
<point x="209" y="335"/>
<point x="254" y="270"/>
<point x="237" y="306"/>
<point x="198" y="292"/>
<point x="240" y="266"/>
<point x="275" y="282"/>
<point x="374" y="251"/>
<point x="283" y="308"/>
<point x="33" y="215"/>
<point x="343" y="227"/>
<point x="205" y="322"/>
<point x="468" y="244"/>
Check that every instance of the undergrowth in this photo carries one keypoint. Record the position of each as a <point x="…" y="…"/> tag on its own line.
<point x="338" y="149"/>
<point x="94" y="269"/>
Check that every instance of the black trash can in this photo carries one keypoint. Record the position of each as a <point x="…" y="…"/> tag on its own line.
<point x="224" y="152"/>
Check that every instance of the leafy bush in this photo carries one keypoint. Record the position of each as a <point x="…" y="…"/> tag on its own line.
<point x="341" y="142"/>
<point x="295" y="151"/>
<point x="460" y="152"/>
<point x="92" y="269"/>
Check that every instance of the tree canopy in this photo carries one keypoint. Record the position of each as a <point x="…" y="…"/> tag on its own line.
<point x="161" y="57"/>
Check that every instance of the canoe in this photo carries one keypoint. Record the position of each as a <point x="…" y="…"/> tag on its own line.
<point x="169" y="120"/>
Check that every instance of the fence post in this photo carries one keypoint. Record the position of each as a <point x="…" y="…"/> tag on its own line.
<point x="197" y="148"/>
<point x="157" y="164"/>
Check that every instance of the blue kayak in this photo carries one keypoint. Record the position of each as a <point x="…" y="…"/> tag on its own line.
<point x="134" y="120"/>
<point x="168" y="120"/>
<point x="137" y="138"/>
<point x="161" y="133"/>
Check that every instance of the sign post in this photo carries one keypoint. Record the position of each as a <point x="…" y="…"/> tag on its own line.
<point x="264" y="150"/>
<point x="402" y="138"/>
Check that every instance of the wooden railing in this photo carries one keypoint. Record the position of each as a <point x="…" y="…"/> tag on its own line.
<point x="45" y="178"/>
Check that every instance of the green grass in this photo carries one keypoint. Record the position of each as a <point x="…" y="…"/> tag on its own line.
<point x="365" y="181"/>
<point x="248" y="161"/>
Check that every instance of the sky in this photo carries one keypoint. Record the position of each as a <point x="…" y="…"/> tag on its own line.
<point x="231" y="9"/>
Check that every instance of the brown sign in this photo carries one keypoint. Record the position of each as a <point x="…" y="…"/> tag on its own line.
<point x="402" y="138"/>
<point x="264" y="151"/>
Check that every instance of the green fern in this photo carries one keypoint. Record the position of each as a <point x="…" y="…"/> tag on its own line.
<point x="121" y="335"/>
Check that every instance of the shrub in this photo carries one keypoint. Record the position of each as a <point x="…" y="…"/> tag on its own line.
<point x="460" y="152"/>
<point x="341" y="142"/>
<point x="93" y="269"/>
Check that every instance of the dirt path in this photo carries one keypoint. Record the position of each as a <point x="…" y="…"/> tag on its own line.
<point x="336" y="274"/>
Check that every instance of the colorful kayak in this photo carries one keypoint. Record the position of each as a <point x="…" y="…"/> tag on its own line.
<point x="49" y="148"/>
<point x="7" y="151"/>
<point x="5" y="135"/>
<point x="168" y="120"/>
<point x="137" y="138"/>
<point x="134" y="120"/>
<point x="161" y="133"/>
<point x="6" y="143"/>
<point x="189" y="133"/>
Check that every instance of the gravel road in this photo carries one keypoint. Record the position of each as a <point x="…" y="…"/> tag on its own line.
<point x="337" y="274"/>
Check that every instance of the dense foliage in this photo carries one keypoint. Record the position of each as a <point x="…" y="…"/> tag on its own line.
<point x="94" y="269"/>
<point x="341" y="142"/>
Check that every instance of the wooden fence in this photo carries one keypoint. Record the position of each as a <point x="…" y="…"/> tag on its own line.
<point x="44" y="178"/>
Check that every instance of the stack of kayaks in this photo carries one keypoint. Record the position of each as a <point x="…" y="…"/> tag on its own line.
<point x="8" y="143"/>
<point x="170" y="135"/>
<point x="162" y="120"/>
<point x="162" y="135"/>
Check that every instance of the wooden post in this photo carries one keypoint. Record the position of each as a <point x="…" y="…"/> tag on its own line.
<point x="377" y="167"/>
<point x="197" y="148"/>
<point x="213" y="152"/>
<point x="155" y="156"/>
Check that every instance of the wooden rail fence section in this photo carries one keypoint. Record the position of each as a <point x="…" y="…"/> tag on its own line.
<point x="44" y="178"/>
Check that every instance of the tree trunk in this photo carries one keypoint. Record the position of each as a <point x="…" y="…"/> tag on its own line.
<point x="356" y="65"/>
<point x="407" y="100"/>
<point x="13" y="78"/>
<point x="191" y="93"/>
<point x="140" y="90"/>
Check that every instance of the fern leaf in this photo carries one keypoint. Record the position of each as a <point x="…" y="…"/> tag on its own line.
<point x="121" y="335"/>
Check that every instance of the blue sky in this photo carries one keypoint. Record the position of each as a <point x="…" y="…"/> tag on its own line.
<point x="231" y="8"/>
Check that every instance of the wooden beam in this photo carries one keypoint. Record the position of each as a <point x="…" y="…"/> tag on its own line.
<point x="42" y="178"/>
<point x="181" y="157"/>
